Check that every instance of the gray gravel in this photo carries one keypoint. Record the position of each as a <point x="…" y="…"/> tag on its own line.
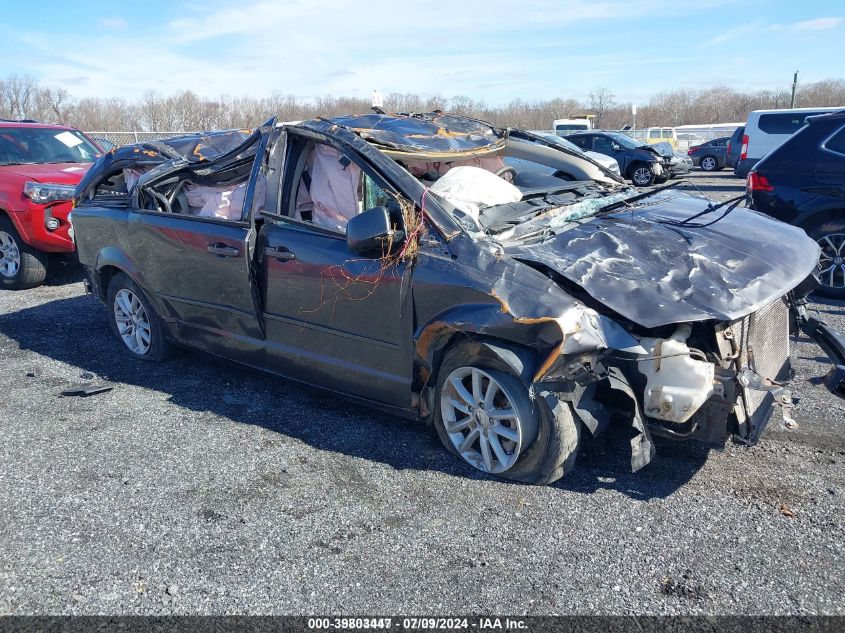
<point x="195" y="487"/>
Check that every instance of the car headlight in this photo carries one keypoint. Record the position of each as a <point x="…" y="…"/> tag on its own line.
<point x="43" y="193"/>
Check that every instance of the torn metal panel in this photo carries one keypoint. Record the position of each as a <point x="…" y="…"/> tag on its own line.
<point x="642" y="447"/>
<point x="833" y="344"/>
<point x="428" y="134"/>
<point x="655" y="274"/>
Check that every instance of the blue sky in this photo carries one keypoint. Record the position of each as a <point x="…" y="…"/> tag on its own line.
<point x="495" y="50"/>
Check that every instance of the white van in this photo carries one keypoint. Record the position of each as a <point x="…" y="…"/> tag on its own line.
<point x="766" y="129"/>
<point x="562" y="127"/>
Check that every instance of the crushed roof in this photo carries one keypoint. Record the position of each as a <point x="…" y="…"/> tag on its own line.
<point x="434" y="132"/>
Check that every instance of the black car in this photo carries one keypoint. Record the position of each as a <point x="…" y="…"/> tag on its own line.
<point x="398" y="259"/>
<point x="803" y="182"/>
<point x="734" y="148"/>
<point x="639" y="162"/>
<point x="710" y="156"/>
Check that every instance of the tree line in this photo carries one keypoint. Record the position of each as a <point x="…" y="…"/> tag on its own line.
<point x="22" y="97"/>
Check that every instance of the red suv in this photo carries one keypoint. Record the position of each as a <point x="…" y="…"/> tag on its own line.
<point x="40" y="166"/>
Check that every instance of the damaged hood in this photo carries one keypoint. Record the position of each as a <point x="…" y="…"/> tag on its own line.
<point x="663" y="149"/>
<point x="654" y="274"/>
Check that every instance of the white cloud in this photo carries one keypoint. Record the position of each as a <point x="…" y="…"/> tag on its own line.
<point x="115" y="23"/>
<point x="319" y="47"/>
<point x="819" y="24"/>
<point x="730" y="34"/>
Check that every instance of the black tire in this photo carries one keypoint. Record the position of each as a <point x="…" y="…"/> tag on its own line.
<point x="641" y="174"/>
<point x="32" y="263"/>
<point x="834" y="231"/>
<point x="159" y="347"/>
<point x="709" y="163"/>
<point x="554" y="448"/>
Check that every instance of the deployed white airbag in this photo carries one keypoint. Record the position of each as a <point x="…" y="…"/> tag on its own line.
<point x="334" y="187"/>
<point x="225" y="203"/>
<point x="472" y="188"/>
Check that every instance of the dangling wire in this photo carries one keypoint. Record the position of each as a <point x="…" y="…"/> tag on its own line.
<point x="688" y="223"/>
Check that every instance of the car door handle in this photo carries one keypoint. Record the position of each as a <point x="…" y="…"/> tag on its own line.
<point x="223" y="250"/>
<point x="280" y="253"/>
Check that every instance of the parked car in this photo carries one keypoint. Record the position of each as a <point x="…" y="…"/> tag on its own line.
<point x="767" y="129"/>
<point x="680" y="164"/>
<point x="639" y="162"/>
<point x="803" y="182"/>
<point x="734" y="148"/>
<point x="40" y="166"/>
<point x="399" y="260"/>
<point x="710" y="156"/>
<point x="602" y="159"/>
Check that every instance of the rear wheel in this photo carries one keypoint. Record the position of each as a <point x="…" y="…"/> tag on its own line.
<point x="709" y="163"/>
<point x="21" y="266"/>
<point x="486" y="417"/>
<point x="134" y="322"/>
<point x="642" y="175"/>
<point x="830" y="236"/>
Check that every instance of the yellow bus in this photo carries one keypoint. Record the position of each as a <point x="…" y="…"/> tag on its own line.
<point x="652" y="135"/>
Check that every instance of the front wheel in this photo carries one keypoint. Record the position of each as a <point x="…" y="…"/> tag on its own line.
<point x="134" y="322"/>
<point x="642" y="175"/>
<point x="830" y="236"/>
<point x="21" y="266"/>
<point x="486" y="416"/>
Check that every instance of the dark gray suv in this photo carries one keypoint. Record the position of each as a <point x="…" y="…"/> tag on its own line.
<point x="639" y="162"/>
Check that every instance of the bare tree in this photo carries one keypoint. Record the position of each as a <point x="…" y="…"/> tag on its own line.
<point x="22" y="97"/>
<point x="600" y="101"/>
<point x="17" y="96"/>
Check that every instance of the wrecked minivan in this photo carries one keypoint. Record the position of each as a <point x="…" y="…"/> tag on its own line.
<point x="402" y="260"/>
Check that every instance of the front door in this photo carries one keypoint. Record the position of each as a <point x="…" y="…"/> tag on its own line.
<point x="333" y="318"/>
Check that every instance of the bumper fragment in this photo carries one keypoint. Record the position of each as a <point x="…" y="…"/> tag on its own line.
<point x="833" y="344"/>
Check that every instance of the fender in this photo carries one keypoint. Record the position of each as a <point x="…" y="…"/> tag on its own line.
<point x="15" y="217"/>
<point x="473" y="321"/>
<point x="829" y="209"/>
<point x="114" y="256"/>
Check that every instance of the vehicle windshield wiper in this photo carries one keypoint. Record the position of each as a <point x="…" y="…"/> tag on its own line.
<point x="26" y="163"/>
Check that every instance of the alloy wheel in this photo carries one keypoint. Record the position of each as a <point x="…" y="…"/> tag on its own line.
<point x="481" y="420"/>
<point x="832" y="260"/>
<point x="133" y="324"/>
<point x="708" y="163"/>
<point x="642" y="176"/>
<point x="10" y="255"/>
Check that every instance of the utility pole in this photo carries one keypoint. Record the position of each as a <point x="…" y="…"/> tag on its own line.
<point x="794" y="83"/>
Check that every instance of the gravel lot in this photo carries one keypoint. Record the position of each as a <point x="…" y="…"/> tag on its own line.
<point x="195" y="487"/>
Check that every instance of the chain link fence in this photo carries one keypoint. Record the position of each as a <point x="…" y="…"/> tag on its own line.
<point x="685" y="137"/>
<point x="107" y="140"/>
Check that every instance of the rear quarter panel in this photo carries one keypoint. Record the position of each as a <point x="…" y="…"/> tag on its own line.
<point x="99" y="233"/>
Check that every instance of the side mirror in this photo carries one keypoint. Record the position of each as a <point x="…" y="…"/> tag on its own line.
<point x="368" y="233"/>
